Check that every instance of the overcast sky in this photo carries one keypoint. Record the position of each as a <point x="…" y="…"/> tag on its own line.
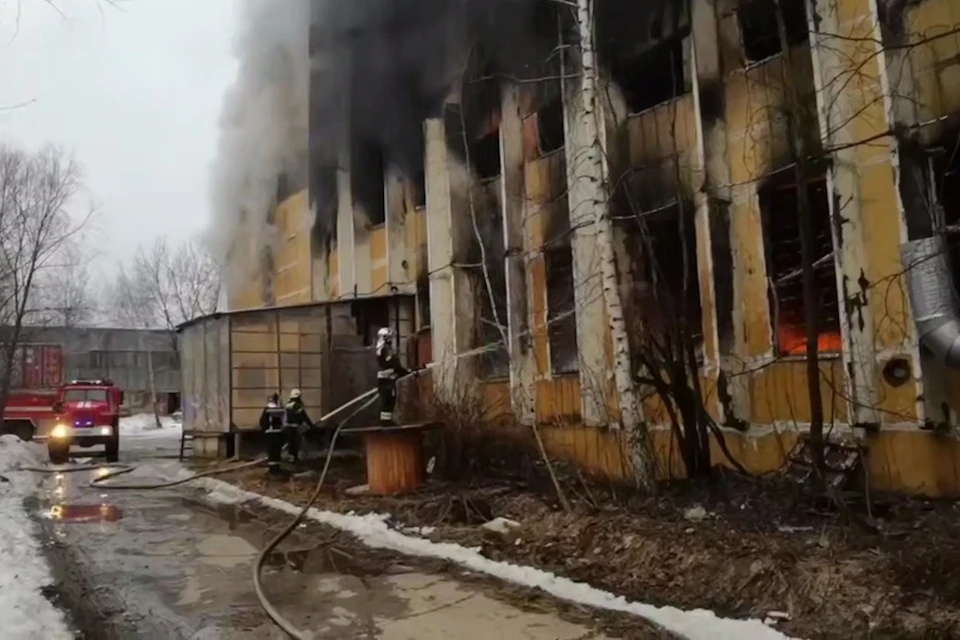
<point x="134" y="93"/>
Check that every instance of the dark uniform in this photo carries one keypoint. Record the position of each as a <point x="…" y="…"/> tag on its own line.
<point x="296" y="417"/>
<point x="271" y="423"/>
<point x="389" y="370"/>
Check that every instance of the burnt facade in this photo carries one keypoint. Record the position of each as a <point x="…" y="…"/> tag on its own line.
<point x="708" y="107"/>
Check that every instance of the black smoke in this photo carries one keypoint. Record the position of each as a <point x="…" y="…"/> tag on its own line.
<point x="381" y="67"/>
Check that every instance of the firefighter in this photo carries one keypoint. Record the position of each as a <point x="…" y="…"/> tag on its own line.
<point x="296" y="418"/>
<point x="271" y="423"/>
<point x="388" y="372"/>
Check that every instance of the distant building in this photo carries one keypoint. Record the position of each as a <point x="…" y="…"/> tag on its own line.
<point x="120" y="355"/>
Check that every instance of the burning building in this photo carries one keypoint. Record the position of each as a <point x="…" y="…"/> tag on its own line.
<point x="442" y="166"/>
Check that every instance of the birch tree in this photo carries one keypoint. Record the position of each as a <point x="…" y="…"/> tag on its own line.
<point x="594" y="162"/>
<point x="131" y="306"/>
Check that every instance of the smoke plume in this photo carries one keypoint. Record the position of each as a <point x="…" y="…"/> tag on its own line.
<point x="380" y="67"/>
<point x="264" y="128"/>
<point x="321" y="77"/>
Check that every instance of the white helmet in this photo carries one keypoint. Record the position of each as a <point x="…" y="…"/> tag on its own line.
<point x="295" y="394"/>
<point x="384" y="337"/>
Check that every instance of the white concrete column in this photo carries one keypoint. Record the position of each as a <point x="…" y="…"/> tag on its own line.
<point x="592" y="329"/>
<point x="362" y="256"/>
<point x="346" y="232"/>
<point x="855" y="168"/>
<point x="399" y="250"/>
<point x="517" y="244"/>
<point x="714" y="205"/>
<point x="451" y="300"/>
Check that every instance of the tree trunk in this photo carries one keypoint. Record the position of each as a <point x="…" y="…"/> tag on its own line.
<point x="594" y="157"/>
<point x="153" y="389"/>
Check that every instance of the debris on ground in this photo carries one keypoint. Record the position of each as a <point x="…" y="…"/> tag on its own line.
<point x="373" y="530"/>
<point x="741" y="547"/>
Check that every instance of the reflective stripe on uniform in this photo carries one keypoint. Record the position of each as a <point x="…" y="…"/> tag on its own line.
<point x="385" y="374"/>
<point x="386" y="415"/>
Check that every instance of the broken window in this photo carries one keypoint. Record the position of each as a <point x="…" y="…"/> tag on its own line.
<point x="722" y="255"/>
<point x="495" y="362"/>
<point x="781" y="227"/>
<point x="485" y="155"/>
<point x="654" y="76"/>
<point x="283" y="187"/>
<point x="423" y="301"/>
<point x="561" y="316"/>
<point x="367" y="181"/>
<point x="550" y="126"/>
<point x="670" y="250"/>
<point x="419" y="184"/>
<point x="946" y="179"/>
<point x="759" y="32"/>
<point x="645" y="46"/>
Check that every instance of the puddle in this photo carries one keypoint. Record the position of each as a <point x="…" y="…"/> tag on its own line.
<point x="232" y="514"/>
<point x="84" y="513"/>
<point x="225" y="551"/>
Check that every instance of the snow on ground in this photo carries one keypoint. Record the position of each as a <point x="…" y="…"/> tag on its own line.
<point x="144" y="424"/>
<point x="24" y="611"/>
<point x="374" y="531"/>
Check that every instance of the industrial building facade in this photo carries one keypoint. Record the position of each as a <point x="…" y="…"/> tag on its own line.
<point x="706" y="112"/>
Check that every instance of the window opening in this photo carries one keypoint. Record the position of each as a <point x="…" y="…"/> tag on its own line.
<point x="778" y="204"/>
<point x="367" y="181"/>
<point x="561" y="318"/>
<point x="758" y="27"/>
<point x="550" y="126"/>
<point x="946" y="178"/>
<point x="655" y="76"/>
<point x="419" y="184"/>
<point x="670" y="251"/>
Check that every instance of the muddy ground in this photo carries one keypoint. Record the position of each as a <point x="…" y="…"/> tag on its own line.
<point x="742" y="547"/>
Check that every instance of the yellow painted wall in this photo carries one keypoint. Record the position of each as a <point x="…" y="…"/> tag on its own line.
<point x="900" y="459"/>
<point x="293" y="260"/>
<point x="245" y="282"/>
<point x="378" y="260"/>
<point x="932" y="29"/>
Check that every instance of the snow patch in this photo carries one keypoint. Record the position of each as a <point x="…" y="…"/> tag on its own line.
<point x="26" y="613"/>
<point x="145" y="425"/>
<point x="373" y="530"/>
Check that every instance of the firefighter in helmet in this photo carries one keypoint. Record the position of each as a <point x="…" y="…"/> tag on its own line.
<point x="296" y="419"/>
<point x="271" y="423"/>
<point x="389" y="370"/>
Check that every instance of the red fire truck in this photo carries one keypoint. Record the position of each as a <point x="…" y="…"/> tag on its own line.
<point x="88" y="414"/>
<point x="39" y="406"/>
<point x="36" y="376"/>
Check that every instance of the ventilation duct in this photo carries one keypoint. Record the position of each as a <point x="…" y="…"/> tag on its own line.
<point x="930" y="282"/>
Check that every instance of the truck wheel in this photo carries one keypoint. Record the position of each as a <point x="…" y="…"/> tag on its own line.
<point x="59" y="453"/>
<point x="23" y="429"/>
<point x="112" y="449"/>
<point x="25" y="432"/>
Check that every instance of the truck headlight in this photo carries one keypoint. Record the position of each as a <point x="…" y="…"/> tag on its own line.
<point x="106" y="431"/>
<point x="59" y="431"/>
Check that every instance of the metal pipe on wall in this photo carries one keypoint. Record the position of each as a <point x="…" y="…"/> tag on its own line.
<point x="933" y="297"/>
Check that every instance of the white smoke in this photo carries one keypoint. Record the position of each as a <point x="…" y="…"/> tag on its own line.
<point x="264" y="129"/>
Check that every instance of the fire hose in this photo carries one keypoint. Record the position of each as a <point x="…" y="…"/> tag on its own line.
<point x="115" y="470"/>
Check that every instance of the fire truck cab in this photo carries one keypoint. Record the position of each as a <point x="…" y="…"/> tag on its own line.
<point x="87" y="415"/>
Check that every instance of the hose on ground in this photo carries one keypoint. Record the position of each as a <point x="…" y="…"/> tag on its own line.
<point x="274" y="615"/>
<point x="115" y="470"/>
